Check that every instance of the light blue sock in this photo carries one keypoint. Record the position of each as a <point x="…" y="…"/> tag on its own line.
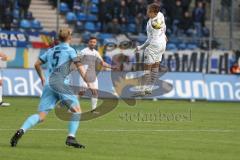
<point x="73" y="124"/>
<point x="30" y="122"/>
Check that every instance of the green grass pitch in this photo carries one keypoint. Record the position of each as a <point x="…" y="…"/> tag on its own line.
<point x="185" y="131"/>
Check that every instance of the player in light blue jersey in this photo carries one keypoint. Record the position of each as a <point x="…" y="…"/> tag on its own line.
<point x="54" y="58"/>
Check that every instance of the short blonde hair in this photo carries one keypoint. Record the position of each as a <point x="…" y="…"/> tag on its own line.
<point x="64" y="34"/>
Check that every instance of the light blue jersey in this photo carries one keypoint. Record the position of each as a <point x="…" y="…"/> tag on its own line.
<point x="59" y="56"/>
<point x="58" y="60"/>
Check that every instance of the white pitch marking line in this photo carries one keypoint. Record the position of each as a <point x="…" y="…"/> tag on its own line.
<point x="133" y="130"/>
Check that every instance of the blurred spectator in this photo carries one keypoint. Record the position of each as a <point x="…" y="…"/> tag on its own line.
<point x="140" y="17"/>
<point x="177" y="16"/>
<point x="123" y="24"/>
<point x="131" y="7"/>
<point x="226" y="8"/>
<point x="86" y="6"/>
<point x="53" y="3"/>
<point x="3" y="6"/>
<point x="185" y="5"/>
<point x="104" y="15"/>
<point x="114" y="26"/>
<point x="199" y="18"/>
<point x="141" y="7"/>
<point x="115" y="8"/>
<point x="8" y="18"/>
<point x="187" y="23"/>
<point x="24" y="6"/>
<point x="204" y="2"/>
<point x="168" y="5"/>
<point x="123" y="10"/>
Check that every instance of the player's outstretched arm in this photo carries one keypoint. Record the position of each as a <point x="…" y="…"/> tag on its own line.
<point x="143" y="46"/>
<point x="39" y="70"/>
<point x="106" y="65"/>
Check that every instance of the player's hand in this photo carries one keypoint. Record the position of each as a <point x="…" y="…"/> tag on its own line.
<point x="115" y="67"/>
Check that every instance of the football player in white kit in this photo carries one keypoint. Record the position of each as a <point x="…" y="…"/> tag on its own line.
<point x="3" y="57"/>
<point x="154" y="47"/>
<point x="89" y="57"/>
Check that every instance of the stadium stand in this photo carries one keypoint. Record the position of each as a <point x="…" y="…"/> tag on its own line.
<point x="186" y="19"/>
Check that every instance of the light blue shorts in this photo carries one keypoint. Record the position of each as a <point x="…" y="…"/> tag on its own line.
<point x="49" y="99"/>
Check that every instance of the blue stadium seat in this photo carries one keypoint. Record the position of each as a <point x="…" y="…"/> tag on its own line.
<point x="131" y="19"/>
<point x="25" y="24"/>
<point x="79" y="26"/>
<point x="192" y="46"/>
<point x="95" y="1"/>
<point x="141" y="38"/>
<point x="81" y="17"/>
<point x="94" y="9"/>
<point x="174" y="39"/>
<point x="92" y="17"/>
<point x="98" y="26"/>
<point x="71" y="17"/>
<point x="16" y="13"/>
<point x="182" y="46"/>
<point x="132" y="28"/>
<point x="103" y="36"/>
<point x="36" y="25"/>
<point x="86" y="36"/>
<point x="89" y="26"/>
<point x="171" y="46"/>
<point x="63" y="8"/>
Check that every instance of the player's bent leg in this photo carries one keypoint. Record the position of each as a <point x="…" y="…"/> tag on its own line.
<point x="154" y="76"/>
<point x="29" y="123"/>
<point x="145" y="81"/>
<point x="73" y="127"/>
<point x="94" y="100"/>
<point x="3" y="104"/>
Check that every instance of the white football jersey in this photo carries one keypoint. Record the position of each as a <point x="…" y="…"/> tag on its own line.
<point x="89" y="57"/>
<point x="156" y="29"/>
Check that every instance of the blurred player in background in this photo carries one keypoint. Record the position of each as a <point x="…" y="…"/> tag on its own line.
<point x="154" y="47"/>
<point x="3" y="57"/>
<point x="54" y="58"/>
<point x="90" y="57"/>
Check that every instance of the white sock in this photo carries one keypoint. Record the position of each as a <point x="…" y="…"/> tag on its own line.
<point x="94" y="102"/>
<point x="146" y="80"/>
<point x="154" y="76"/>
<point x="71" y="135"/>
<point x="0" y="93"/>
